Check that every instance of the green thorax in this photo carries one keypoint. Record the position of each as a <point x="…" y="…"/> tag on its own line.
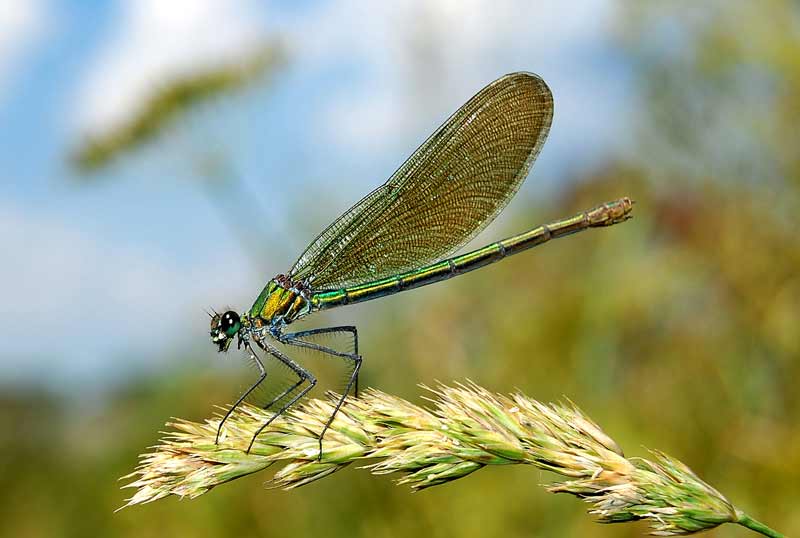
<point x="278" y="301"/>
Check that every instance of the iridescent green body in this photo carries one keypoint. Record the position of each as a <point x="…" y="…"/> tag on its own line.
<point x="277" y="303"/>
<point x="403" y="234"/>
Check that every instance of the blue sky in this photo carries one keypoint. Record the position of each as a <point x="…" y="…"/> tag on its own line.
<point x="102" y="279"/>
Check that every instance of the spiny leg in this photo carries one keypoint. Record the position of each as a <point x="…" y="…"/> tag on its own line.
<point x="283" y="394"/>
<point x="262" y="375"/>
<point x="296" y="339"/>
<point x="301" y="372"/>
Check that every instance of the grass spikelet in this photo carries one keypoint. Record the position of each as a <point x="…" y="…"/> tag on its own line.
<point x="464" y="429"/>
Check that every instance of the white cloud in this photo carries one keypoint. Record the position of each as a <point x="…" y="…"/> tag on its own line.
<point x="22" y="24"/>
<point x="422" y="57"/>
<point x="153" y="39"/>
<point x="82" y="300"/>
<point x="415" y="60"/>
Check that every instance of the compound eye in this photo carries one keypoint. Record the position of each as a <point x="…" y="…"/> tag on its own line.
<point x="229" y="323"/>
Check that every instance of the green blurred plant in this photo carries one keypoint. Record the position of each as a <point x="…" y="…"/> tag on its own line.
<point x="723" y="94"/>
<point x="468" y="428"/>
<point x="174" y="99"/>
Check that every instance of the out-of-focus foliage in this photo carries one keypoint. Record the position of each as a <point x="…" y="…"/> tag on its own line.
<point x="173" y="99"/>
<point x="676" y="330"/>
<point x="721" y="81"/>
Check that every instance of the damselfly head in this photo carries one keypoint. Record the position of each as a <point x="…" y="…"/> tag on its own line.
<point x="223" y="328"/>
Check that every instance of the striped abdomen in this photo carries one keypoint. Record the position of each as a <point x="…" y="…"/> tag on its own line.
<point x="604" y="215"/>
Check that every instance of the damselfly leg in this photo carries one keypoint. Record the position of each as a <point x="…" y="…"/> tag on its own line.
<point x="303" y="376"/>
<point x="261" y="377"/>
<point x="299" y="339"/>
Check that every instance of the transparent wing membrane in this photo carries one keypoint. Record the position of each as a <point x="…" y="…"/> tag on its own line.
<point x="452" y="187"/>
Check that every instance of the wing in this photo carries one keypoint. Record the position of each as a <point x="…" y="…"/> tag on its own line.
<point x="450" y="189"/>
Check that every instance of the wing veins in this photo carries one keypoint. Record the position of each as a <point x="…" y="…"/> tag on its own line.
<point x="448" y="190"/>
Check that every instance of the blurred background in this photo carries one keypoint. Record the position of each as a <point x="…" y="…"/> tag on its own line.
<point x="160" y="158"/>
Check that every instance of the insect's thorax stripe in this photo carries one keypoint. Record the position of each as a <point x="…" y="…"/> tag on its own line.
<point x="276" y="301"/>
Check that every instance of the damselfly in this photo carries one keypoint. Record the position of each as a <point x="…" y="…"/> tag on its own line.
<point x="400" y="235"/>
